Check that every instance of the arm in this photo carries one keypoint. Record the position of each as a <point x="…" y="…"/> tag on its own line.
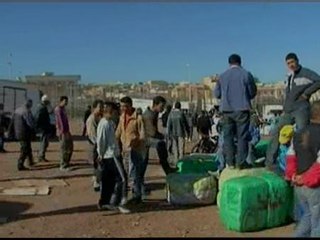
<point x="119" y="130"/>
<point x="101" y="140"/>
<point x="252" y="87"/>
<point x="186" y="124"/>
<point x="217" y="90"/>
<point x="29" y="119"/>
<point x="90" y="130"/>
<point x="141" y="128"/>
<point x="315" y="85"/>
<point x="169" y="125"/>
<point x="59" y="120"/>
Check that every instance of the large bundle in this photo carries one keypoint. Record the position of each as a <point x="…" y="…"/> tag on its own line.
<point x="261" y="148"/>
<point x="191" y="189"/>
<point x="252" y="203"/>
<point x="198" y="163"/>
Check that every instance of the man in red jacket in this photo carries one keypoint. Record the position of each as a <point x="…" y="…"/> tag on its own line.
<point x="303" y="169"/>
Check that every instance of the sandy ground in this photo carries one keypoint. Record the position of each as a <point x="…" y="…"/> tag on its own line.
<point x="71" y="211"/>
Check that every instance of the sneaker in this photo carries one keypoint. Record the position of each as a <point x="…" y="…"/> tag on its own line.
<point x="106" y="207"/>
<point x="123" y="201"/>
<point x="65" y="169"/>
<point x="123" y="210"/>
<point x="43" y="160"/>
<point x="22" y="168"/>
<point x="96" y="186"/>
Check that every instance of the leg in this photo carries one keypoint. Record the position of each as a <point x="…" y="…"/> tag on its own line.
<point x="107" y="181"/>
<point x="29" y="152"/>
<point x="242" y="120"/>
<point x="272" y="151"/>
<point x="69" y="150"/>
<point x="301" y="117"/>
<point x="43" y="146"/>
<point x="120" y="182"/>
<point x="314" y="204"/>
<point x="303" y="228"/>
<point x="23" y="154"/>
<point x="163" y="156"/>
<point x="181" y="145"/>
<point x="175" y="149"/>
<point x="123" y="181"/>
<point x="229" y="134"/>
<point x="63" y="156"/>
<point x="136" y="160"/>
<point x="1" y="142"/>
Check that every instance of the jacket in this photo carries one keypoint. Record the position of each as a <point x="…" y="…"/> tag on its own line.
<point x="107" y="145"/>
<point x="304" y="81"/>
<point x="23" y="122"/>
<point x="132" y="136"/>
<point x="91" y="125"/>
<point x="177" y="124"/>
<point x="150" y="121"/>
<point x="62" y="122"/>
<point x="235" y="89"/>
<point x="43" y="119"/>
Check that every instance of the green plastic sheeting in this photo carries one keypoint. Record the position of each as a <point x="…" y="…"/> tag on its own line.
<point x="261" y="148"/>
<point x="198" y="164"/>
<point x="252" y="203"/>
<point x="191" y="189"/>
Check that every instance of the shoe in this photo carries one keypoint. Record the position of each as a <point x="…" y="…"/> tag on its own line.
<point x="22" y="168"/>
<point x="123" y="201"/>
<point x="65" y="169"/>
<point x="43" y="160"/>
<point x="245" y="166"/>
<point x="134" y="201"/>
<point x="32" y="163"/>
<point x="96" y="186"/>
<point x="123" y="210"/>
<point x="230" y="167"/>
<point x="106" y="207"/>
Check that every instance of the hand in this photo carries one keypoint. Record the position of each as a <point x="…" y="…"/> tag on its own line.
<point x="303" y="97"/>
<point x="99" y="158"/>
<point x="297" y="179"/>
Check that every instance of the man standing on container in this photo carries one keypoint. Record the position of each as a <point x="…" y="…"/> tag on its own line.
<point x="235" y="89"/>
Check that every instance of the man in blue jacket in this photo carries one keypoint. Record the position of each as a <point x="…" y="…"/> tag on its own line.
<point x="235" y="89"/>
<point x="301" y="84"/>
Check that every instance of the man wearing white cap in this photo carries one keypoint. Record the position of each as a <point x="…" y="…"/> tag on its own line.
<point x="44" y="127"/>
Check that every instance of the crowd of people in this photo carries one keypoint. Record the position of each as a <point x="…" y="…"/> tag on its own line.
<point x="120" y="137"/>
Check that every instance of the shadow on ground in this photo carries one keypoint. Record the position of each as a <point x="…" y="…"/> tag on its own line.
<point x="11" y="210"/>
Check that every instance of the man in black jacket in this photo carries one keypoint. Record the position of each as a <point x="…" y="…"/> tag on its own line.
<point x="44" y="127"/>
<point x="23" y="123"/>
<point x="301" y="84"/>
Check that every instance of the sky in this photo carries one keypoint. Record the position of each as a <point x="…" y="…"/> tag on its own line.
<point x="137" y="42"/>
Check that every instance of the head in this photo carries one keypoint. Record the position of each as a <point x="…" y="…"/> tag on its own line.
<point x="286" y="134"/>
<point x="177" y="105"/>
<point x="139" y="111"/>
<point x="89" y="107"/>
<point x="97" y="107"/>
<point x="28" y="104"/>
<point x="158" y="104"/>
<point x="315" y="112"/>
<point x="235" y="59"/>
<point x="63" y="101"/>
<point x="126" y="104"/>
<point x="108" y="110"/>
<point x="292" y="62"/>
<point x="45" y="100"/>
<point x="168" y="108"/>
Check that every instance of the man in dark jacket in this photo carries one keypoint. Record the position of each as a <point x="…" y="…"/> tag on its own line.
<point x="44" y="127"/>
<point x="236" y="88"/>
<point x="301" y="84"/>
<point x="24" y="131"/>
<point x="178" y="130"/>
<point x="204" y="124"/>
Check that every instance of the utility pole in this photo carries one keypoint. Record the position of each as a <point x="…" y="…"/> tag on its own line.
<point x="9" y="62"/>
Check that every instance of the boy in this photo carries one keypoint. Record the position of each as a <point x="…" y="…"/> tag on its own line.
<point x="113" y="180"/>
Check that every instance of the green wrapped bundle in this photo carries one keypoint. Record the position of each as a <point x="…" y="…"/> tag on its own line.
<point x="261" y="148"/>
<point x="198" y="164"/>
<point x="191" y="189"/>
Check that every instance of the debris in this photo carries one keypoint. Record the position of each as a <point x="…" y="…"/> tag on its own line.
<point x="39" y="182"/>
<point x="26" y="191"/>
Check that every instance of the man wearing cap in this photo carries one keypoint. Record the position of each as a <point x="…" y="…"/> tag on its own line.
<point x="301" y="84"/>
<point x="43" y="126"/>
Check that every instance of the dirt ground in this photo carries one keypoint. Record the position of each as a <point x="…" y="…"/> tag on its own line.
<point x="71" y="211"/>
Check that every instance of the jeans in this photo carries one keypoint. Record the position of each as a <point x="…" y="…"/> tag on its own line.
<point x="25" y="152"/>
<point x="93" y="158"/>
<point x="113" y="182"/>
<point x="309" y="200"/>
<point x="236" y="125"/>
<point x="66" y="148"/>
<point x="161" y="148"/>
<point x="178" y="148"/>
<point x="44" y="143"/>
<point x="301" y="117"/>
<point x="220" y="153"/>
<point x="136" y="167"/>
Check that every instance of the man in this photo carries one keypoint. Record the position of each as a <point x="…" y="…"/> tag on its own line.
<point x="24" y="129"/>
<point x="91" y="126"/>
<point x="113" y="180"/>
<point x="130" y="133"/>
<point x="65" y="138"/>
<point x="301" y="84"/>
<point x="190" y="124"/>
<point x="85" y="118"/>
<point x="204" y="124"/>
<point x="235" y="89"/>
<point x="44" y="127"/>
<point x="164" y="119"/>
<point x="178" y="130"/>
<point x="153" y="137"/>
<point x="2" y="128"/>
